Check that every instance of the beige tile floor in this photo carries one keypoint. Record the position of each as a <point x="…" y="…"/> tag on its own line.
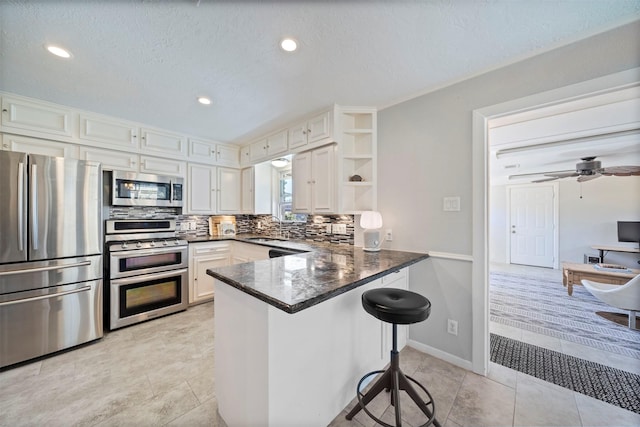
<point x="161" y="373"/>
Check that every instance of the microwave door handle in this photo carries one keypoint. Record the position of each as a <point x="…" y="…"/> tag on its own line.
<point x="170" y="192"/>
<point x="21" y="206"/>
<point x="34" y="206"/>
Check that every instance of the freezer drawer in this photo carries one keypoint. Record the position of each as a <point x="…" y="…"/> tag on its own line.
<point x="43" y="321"/>
<point x="27" y="276"/>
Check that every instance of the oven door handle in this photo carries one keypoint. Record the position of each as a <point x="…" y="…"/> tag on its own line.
<point x="47" y="296"/>
<point x="146" y="277"/>
<point x="145" y="252"/>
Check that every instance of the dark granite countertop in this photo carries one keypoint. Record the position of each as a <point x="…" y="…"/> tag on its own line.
<point x="295" y="282"/>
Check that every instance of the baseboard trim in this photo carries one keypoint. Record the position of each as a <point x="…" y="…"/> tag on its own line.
<point x="447" y="357"/>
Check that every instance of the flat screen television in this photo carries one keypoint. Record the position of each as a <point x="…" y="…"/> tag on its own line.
<point x="629" y="231"/>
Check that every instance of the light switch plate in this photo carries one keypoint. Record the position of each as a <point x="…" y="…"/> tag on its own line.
<point x="451" y="204"/>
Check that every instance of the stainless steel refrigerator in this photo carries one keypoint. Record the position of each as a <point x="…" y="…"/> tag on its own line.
<point x="50" y="255"/>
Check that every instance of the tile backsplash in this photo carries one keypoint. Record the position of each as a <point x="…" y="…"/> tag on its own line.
<point x="315" y="228"/>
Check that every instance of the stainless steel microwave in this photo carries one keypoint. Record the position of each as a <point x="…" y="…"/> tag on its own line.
<point x="137" y="189"/>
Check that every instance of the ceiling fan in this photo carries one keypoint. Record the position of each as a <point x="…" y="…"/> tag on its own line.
<point x="590" y="168"/>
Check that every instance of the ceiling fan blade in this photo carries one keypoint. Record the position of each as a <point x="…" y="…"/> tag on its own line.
<point x="621" y="170"/>
<point x="545" y="180"/>
<point x="585" y="178"/>
<point x="563" y="174"/>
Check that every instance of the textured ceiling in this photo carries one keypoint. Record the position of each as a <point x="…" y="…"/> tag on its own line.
<point x="147" y="61"/>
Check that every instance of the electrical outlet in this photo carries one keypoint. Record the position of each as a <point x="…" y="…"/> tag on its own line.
<point x="193" y="225"/>
<point x="184" y="226"/>
<point x="259" y="225"/>
<point x="339" y="228"/>
<point x="328" y="229"/>
<point x="452" y="327"/>
<point x="388" y="235"/>
<point x="451" y="204"/>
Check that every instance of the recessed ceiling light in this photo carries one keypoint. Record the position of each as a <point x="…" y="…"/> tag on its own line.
<point x="289" y="45"/>
<point x="204" y="100"/>
<point x="58" y="51"/>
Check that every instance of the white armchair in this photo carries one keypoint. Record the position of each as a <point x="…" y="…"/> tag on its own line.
<point x="625" y="297"/>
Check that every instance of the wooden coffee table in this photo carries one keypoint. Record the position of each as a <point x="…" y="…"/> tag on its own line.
<point x="573" y="273"/>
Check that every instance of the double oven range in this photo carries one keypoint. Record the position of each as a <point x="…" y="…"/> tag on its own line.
<point x="145" y="270"/>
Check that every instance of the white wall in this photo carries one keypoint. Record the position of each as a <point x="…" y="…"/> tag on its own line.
<point x="583" y="222"/>
<point x="425" y="153"/>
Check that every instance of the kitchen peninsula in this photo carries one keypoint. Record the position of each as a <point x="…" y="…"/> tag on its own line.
<point x="291" y="336"/>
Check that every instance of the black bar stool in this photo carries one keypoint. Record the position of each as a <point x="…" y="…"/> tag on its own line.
<point x="399" y="307"/>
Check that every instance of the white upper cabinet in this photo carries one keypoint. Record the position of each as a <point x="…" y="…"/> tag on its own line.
<point x="211" y="152"/>
<point x="311" y="131"/>
<point x="36" y="118"/>
<point x="270" y="146"/>
<point x="228" y="155"/>
<point x="108" y="132"/>
<point x="202" y="187"/>
<point x="213" y="190"/>
<point x="256" y="189"/>
<point x="162" y="166"/>
<point x="229" y="189"/>
<point x="245" y="155"/>
<point x="163" y="143"/>
<point x="314" y="181"/>
<point x="111" y="159"/>
<point x="45" y="147"/>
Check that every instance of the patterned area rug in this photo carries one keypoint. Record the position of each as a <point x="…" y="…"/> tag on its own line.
<point x="543" y="307"/>
<point x="610" y="385"/>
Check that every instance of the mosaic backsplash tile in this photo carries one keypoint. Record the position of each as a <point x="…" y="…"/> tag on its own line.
<point x="314" y="229"/>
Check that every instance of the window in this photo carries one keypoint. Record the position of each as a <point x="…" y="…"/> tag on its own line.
<point x="285" y="199"/>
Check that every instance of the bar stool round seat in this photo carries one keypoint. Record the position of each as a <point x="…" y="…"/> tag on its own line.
<point x="398" y="307"/>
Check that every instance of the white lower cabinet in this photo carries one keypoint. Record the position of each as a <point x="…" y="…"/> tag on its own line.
<point x="45" y="147"/>
<point x="248" y="252"/>
<point x="203" y="256"/>
<point x="400" y="280"/>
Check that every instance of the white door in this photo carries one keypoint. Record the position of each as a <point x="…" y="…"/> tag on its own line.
<point x="532" y="225"/>
<point x="301" y="172"/>
<point x="322" y="182"/>
<point x="202" y="189"/>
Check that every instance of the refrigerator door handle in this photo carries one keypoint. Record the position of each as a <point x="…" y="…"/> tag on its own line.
<point x="20" y="206"/>
<point x="54" y="295"/>
<point x="41" y="269"/>
<point x="34" y="206"/>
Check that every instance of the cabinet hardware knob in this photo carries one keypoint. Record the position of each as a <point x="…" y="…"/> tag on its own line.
<point x="308" y="130"/>
<point x="134" y="136"/>
<point x="4" y="110"/>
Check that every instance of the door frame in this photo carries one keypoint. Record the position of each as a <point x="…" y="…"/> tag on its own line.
<point x="480" y="190"/>
<point x="556" y="217"/>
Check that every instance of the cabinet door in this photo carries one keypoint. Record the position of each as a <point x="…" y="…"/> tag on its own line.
<point x="203" y="284"/>
<point x="229" y="182"/>
<point x="323" y="180"/>
<point x="201" y="187"/>
<point x="227" y="155"/>
<point x="25" y="144"/>
<point x="301" y="171"/>
<point x="108" y="132"/>
<point x="245" y="155"/>
<point x="258" y="150"/>
<point x="298" y="135"/>
<point x="202" y="151"/>
<point x="319" y="128"/>
<point x="247" y="191"/>
<point x="36" y="119"/>
<point x="161" y="142"/>
<point x="277" y="143"/>
<point x="162" y="166"/>
<point x="110" y="159"/>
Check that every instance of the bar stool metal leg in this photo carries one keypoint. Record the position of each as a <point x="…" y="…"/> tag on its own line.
<point x="394" y="380"/>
